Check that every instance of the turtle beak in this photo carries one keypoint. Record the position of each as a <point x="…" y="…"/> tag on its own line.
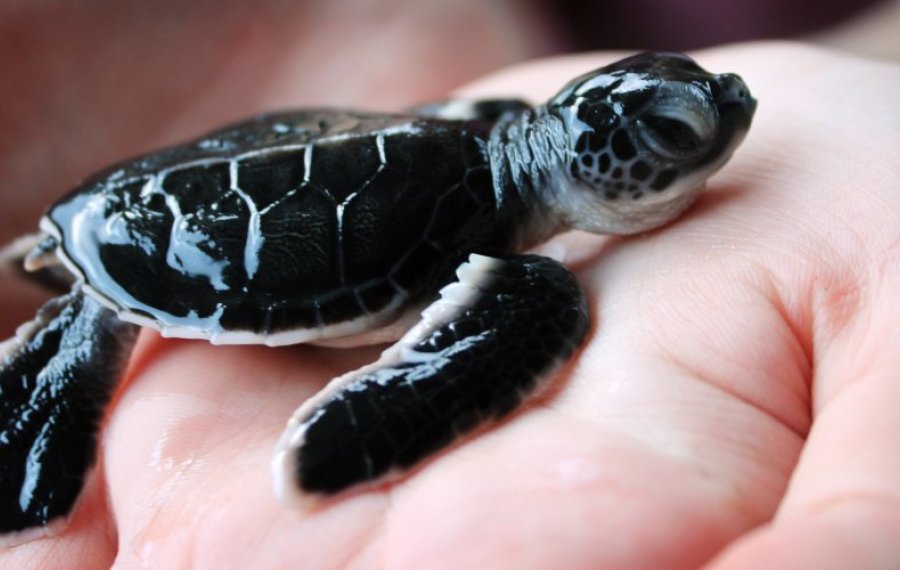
<point x="735" y="100"/>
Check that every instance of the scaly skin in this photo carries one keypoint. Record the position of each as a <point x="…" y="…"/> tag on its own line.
<point x="760" y="326"/>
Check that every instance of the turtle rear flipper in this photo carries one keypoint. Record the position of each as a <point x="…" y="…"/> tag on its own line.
<point x="34" y="257"/>
<point x="475" y="355"/>
<point x="56" y="377"/>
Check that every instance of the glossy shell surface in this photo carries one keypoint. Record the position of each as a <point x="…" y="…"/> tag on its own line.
<point x="285" y="228"/>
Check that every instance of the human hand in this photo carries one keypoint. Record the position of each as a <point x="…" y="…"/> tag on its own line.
<point x="756" y="328"/>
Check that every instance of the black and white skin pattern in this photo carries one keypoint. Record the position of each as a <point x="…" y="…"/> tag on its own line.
<point x="348" y="228"/>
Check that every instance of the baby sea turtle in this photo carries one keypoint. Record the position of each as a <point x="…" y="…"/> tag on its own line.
<point x="325" y="225"/>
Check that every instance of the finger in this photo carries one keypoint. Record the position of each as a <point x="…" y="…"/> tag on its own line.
<point x="842" y="509"/>
<point x="188" y="456"/>
<point x="843" y="506"/>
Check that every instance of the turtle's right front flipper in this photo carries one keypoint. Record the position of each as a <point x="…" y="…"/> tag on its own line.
<point x="490" y="341"/>
<point x="56" y="377"/>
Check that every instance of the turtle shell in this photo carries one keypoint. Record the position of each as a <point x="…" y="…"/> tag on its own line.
<point x="319" y="221"/>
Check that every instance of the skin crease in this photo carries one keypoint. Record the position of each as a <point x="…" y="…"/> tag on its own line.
<point x="734" y="405"/>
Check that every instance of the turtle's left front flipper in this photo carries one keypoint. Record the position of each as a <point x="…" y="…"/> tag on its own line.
<point x="56" y="377"/>
<point x="475" y="355"/>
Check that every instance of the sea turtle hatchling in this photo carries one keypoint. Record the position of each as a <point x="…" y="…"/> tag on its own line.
<point x="337" y="226"/>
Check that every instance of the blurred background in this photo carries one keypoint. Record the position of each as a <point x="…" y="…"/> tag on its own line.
<point x="86" y="83"/>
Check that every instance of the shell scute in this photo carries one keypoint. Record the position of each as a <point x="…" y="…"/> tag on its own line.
<point x="284" y="222"/>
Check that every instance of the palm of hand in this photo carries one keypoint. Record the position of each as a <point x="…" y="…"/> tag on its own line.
<point x="752" y="330"/>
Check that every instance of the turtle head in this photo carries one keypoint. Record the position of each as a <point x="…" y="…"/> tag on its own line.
<point x="642" y="136"/>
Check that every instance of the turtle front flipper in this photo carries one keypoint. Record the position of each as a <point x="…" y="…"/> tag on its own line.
<point x="475" y="355"/>
<point x="56" y="377"/>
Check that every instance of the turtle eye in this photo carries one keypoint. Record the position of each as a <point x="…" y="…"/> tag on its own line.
<point x="670" y="137"/>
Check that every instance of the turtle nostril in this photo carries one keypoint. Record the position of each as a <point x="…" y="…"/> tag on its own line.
<point x="733" y="90"/>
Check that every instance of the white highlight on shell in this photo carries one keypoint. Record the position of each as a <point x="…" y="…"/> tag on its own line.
<point x="597" y="82"/>
<point x="184" y="254"/>
<point x="254" y="241"/>
<point x="307" y="162"/>
<point x="379" y="144"/>
<point x="454" y="299"/>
